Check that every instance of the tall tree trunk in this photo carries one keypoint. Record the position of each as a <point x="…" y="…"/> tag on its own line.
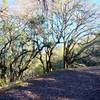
<point x="3" y="72"/>
<point x="11" y="74"/>
<point x="20" y="73"/>
<point x="47" y="67"/>
<point x="64" y="55"/>
<point x="42" y="62"/>
<point x="48" y="61"/>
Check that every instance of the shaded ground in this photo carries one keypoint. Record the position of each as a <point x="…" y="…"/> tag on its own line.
<point x="73" y="84"/>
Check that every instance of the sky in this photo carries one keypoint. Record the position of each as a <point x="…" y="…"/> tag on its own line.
<point x="95" y="1"/>
<point x="11" y="2"/>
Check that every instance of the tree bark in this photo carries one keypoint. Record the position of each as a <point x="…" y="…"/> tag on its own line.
<point x="11" y="74"/>
<point x="64" y="55"/>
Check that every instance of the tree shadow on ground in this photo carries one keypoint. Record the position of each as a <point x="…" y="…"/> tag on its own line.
<point x="61" y="85"/>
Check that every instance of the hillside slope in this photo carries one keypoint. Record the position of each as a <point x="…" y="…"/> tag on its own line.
<point x="72" y="84"/>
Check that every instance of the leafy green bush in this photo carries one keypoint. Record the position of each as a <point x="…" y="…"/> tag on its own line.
<point x="2" y="82"/>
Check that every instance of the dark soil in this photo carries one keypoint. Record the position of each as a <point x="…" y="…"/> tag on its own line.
<point x="72" y="84"/>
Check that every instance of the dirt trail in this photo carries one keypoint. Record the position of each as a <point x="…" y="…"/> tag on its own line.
<point x="73" y="84"/>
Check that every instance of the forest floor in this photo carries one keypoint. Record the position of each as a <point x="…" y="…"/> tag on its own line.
<point x="72" y="84"/>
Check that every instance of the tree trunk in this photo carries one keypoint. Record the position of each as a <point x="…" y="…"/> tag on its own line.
<point x="47" y="67"/>
<point x="42" y="62"/>
<point x="48" y="61"/>
<point x="64" y="55"/>
<point x="3" y="72"/>
<point x="11" y="74"/>
<point x="66" y="65"/>
<point x="19" y="75"/>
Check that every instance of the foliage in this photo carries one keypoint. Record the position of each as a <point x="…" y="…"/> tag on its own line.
<point x="2" y="82"/>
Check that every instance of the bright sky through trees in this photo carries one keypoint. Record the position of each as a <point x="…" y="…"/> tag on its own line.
<point x="10" y="2"/>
